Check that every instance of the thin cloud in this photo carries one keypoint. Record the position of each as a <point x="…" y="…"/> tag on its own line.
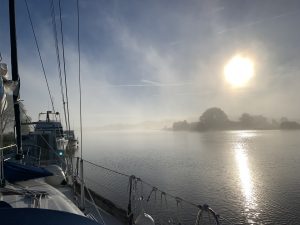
<point x="135" y="77"/>
<point x="250" y="24"/>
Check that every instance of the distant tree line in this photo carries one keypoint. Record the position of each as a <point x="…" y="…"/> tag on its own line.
<point x="216" y="119"/>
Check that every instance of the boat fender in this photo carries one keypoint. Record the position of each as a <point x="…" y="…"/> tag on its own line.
<point x="144" y="219"/>
<point x="58" y="177"/>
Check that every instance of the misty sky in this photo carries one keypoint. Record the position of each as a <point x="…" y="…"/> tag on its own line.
<point x="152" y="60"/>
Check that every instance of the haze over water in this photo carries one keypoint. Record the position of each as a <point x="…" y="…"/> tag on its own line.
<point x="150" y="60"/>
<point x="248" y="177"/>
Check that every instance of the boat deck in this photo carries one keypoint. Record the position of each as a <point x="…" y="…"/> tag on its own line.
<point x="36" y="193"/>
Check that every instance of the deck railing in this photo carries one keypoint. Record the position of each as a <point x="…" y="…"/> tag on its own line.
<point x="143" y="198"/>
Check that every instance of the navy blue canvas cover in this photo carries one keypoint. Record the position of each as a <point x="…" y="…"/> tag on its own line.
<point x="14" y="172"/>
<point x="36" y="216"/>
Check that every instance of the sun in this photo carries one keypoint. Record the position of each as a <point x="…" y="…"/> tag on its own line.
<point x="238" y="71"/>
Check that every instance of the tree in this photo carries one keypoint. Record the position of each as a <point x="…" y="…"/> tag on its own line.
<point x="254" y="122"/>
<point x="246" y="120"/>
<point x="289" y="125"/>
<point x="214" y="118"/>
<point x="283" y="119"/>
<point x="181" y="125"/>
<point x="9" y="117"/>
<point x="275" y="124"/>
<point x="25" y="129"/>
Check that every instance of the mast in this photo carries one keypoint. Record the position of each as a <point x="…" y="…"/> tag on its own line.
<point x="15" y="75"/>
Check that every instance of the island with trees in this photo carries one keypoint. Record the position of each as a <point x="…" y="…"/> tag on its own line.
<point x="216" y="119"/>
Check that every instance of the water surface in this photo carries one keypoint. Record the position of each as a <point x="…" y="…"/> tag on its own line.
<point x="248" y="177"/>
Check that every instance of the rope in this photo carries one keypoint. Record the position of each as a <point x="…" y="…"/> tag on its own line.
<point x="64" y="64"/>
<point x="28" y="118"/>
<point x="96" y="207"/>
<point x="79" y="75"/>
<point x="38" y="49"/>
<point x="2" y="178"/>
<point x="178" y="203"/>
<point x="52" y="9"/>
<point x="103" y="167"/>
<point x="80" y="103"/>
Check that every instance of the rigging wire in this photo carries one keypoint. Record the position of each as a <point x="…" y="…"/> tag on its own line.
<point x="79" y="75"/>
<point x="64" y="64"/>
<point x="103" y="167"/>
<point x="148" y="184"/>
<point x="164" y="194"/>
<point x="38" y="49"/>
<point x="80" y="86"/>
<point x="52" y="10"/>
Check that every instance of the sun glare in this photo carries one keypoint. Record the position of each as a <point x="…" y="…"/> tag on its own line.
<point x="238" y="71"/>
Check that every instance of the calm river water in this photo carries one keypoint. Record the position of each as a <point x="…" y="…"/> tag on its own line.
<point x="248" y="177"/>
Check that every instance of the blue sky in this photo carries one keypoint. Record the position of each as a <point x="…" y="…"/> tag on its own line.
<point x="152" y="60"/>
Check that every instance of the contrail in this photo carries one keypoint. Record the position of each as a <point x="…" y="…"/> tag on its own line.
<point x="159" y="84"/>
<point x="258" y="22"/>
<point x="149" y="83"/>
<point x="128" y="85"/>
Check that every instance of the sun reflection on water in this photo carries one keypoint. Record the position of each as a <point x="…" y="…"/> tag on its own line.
<point x="242" y="162"/>
<point x="241" y="157"/>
